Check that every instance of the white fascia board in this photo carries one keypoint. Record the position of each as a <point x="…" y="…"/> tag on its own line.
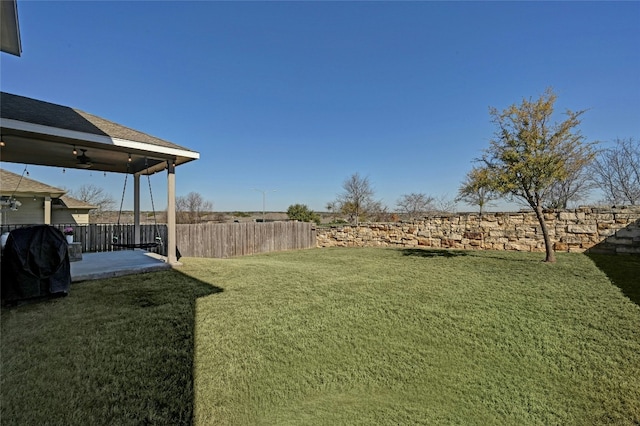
<point x="124" y="143"/>
<point x="53" y="131"/>
<point x="90" y="137"/>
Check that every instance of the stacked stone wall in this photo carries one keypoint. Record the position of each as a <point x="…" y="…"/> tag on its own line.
<point x="614" y="230"/>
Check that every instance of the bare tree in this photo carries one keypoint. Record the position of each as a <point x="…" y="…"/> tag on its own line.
<point x="92" y="194"/>
<point x="191" y="207"/>
<point x="332" y="207"/>
<point x="377" y="211"/>
<point x="357" y="198"/>
<point x="444" y="204"/>
<point x="415" y="204"/>
<point x="573" y="188"/>
<point x="616" y="171"/>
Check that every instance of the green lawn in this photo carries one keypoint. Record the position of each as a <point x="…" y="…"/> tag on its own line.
<point x="335" y="336"/>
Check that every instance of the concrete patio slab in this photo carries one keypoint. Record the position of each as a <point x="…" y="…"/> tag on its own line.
<point x="94" y="266"/>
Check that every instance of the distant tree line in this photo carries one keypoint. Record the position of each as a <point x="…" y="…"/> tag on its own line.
<point x="192" y="208"/>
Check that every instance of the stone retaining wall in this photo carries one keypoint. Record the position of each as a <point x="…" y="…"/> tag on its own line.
<point x="613" y="230"/>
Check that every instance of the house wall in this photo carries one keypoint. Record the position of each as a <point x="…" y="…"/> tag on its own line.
<point x="69" y="216"/>
<point x="32" y="212"/>
<point x="579" y="230"/>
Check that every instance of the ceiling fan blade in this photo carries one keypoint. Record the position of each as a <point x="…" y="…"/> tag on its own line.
<point x="83" y="160"/>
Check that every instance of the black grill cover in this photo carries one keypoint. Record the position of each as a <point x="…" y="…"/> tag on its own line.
<point x="35" y="262"/>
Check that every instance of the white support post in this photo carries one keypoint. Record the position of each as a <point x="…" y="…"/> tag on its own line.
<point x="136" y="208"/>
<point x="47" y="210"/>
<point x="171" y="213"/>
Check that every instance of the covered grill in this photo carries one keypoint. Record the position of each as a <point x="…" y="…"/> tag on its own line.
<point x="35" y="263"/>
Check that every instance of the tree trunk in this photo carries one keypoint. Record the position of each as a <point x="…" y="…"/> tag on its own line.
<point x="551" y="255"/>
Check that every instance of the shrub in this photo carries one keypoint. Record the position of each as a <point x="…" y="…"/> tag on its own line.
<point x="302" y="213"/>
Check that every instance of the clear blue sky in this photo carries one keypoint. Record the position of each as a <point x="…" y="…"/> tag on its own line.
<point x="297" y="96"/>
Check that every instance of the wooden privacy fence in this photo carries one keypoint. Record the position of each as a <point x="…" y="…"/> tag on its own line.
<point x="98" y="237"/>
<point x="222" y="240"/>
<point x="219" y="240"/>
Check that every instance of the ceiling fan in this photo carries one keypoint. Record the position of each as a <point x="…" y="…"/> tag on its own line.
<point x="84" y="161"/>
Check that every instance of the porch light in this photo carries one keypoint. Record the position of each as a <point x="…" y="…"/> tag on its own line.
<point x="75" y="151"/>
<point x="129" y="160"/>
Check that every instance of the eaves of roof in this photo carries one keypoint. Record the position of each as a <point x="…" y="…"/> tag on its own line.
<point x="74" y="203"/>
<point x="10" y="28"/>
<point x="14" y="184"/>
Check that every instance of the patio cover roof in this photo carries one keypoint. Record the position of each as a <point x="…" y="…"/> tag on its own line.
<point x="43" y="133"/>
<point x="9" y="28"/>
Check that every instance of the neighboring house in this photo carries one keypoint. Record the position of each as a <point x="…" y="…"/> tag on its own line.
<point x="29" y="202"/>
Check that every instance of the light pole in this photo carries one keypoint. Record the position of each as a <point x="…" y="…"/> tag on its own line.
<point x="264" y="200"/>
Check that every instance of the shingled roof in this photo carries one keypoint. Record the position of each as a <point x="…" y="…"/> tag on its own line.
<point x="34" y="111"/>
<point x="14" y="184"/>
<point x="46" y="134"/>
<point x="11" y="183"/>
<point x="74" y="203"/>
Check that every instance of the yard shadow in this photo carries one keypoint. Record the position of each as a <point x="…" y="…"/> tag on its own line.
<point x="623" y="241"/>
<point x="618" y="256"/>
<point x="116" y="351"/>
<point x="432" y="252"/>
<point x="622" y="270"/>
